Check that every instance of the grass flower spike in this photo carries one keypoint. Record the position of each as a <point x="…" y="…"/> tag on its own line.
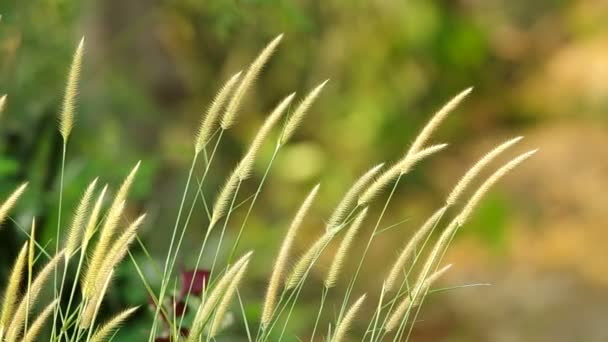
<point x="476" y="169"/>
<point x="246" y="165"/>
<point x="33" y="331"/>
<point x="11" y="293"/>
<point x="410" y="248"/>
<point x="351" y="196"/>
<point x="78" y="220"/>
<point x="410" y="301"/>
<point x="340" y="257"/>
<point x="222" y="307"/>
<point x="346" y="323"/>
<point x="9" y="203"/>
<point x="252" y="73"/>
<point x="66" y="118"/>
<point x="308" y="258"/>
<point x="299" y="113"/>
<point x="104" y="332"/>
<point x="282" y="258"/>
<point x="208" y="123"/>
<point x="436" y="120"/>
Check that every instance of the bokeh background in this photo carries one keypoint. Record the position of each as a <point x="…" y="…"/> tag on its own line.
<point x="539" y="68"/>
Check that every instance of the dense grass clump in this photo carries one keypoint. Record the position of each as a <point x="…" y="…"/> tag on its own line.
<point x="97" y="240"/>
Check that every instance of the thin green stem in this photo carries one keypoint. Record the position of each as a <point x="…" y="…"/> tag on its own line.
<point x="166" y="270"/>
<point x="58" y="232"/>
<point x="323" y="297"/>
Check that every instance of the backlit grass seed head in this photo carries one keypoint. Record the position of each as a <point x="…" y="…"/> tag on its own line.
<point x="34" y="330"/>
<point x="227" y="298"/>
<point x="408" y="301"/>
<point x="103" y="245"/>
<point x="308" y="258"/>
<point x="91" y="305"/>
<point x="281" y="260"/>
<point x="459" y="220"/>
<point x="18" y="319"/>
<point x="108" y="229"/>
<point x="345" y="244"/>
<point x="250" y="76"/>
<point x="399" y="169"/>
<point x="410" y="248"/>
<point x="9" y="203"/>
<point x="246" y="165"/>
<point x="93" y="218"/>
<point x="66" y="118"/>
<point x="350" y="197"/>
<point x="2" y="103"/>
<point x="205" y="309"/>
<point x="114" y="256"/>
<point x="435" y="121"/>
<point x="474" y="201"/>
<point x="11" y="293"/>
<point x="408" y="163"/>
<point x="78" y="220"/>
<point x="208" y="123"/>
<point x="348" y="320"/>
<point x="470" y="175"/>
<point x="298" y="114"/>
<point x="224" y="198"/>
<point x="107" y="328"/>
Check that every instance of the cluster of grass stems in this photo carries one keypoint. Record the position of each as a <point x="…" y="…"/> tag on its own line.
<point x="95" y="241"/>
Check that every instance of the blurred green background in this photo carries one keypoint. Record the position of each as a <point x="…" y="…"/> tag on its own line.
<point x="539" y="68"/>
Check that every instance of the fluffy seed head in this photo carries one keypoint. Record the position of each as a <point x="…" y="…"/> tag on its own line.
<point x="399" y="169"/>
<point x="14" y="329"/>
<point x="2" y="103"/>
<point x="223" y="305"/>
<point x="435" y="121"/>
<point x="281" y="260"/>
<point x="92" y="305"/>
<point x="399" y="313"/>
<point x="348" y="319"/>
<point x="408" y="163"/>
<point x="224" y="198"/>
<point x="12" y="289"/>
<point x="351" y="195"/>
<point x="299" y="113"/>
<point x="78" y="220"/>
<point x="476" y="169"/>
<point x="113" y="257"/>
<point x="474" y="201"/>
<point x="93" y="218"/>
<point x="409" y="249"/>
<point x="340" y="257"/>
<point x="104" y="332"/>
<point x="107" y="231"/>
<point x="34" y="330"/>
<point x="246" y="165"/>
<point x="205" y="309"/>
<point x="9" y="203"/>
<point x="66" y="118"/>
<point x="308" y="259"/>
<point x="208" y="123"/>
<point x="252" y="73"/>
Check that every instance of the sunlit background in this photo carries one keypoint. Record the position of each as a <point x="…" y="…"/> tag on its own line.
<point x="539" y="68"/>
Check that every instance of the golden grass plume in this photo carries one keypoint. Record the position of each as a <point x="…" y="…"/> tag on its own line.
<point x="340" y="256"/>
<point x="207" y="124"/>
<point x="252" y="73"/>
<point x="66" y="118"/>
<point x="281" y="260"/>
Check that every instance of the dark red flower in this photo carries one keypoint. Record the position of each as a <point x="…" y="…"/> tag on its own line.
<point x="197" y="279"/>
